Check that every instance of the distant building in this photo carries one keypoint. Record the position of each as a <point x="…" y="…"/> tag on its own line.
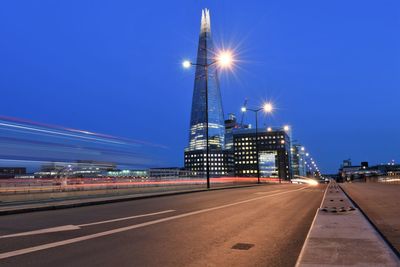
<point x="298" y="160"/>
<point x="128" y="173"/>
<point x="11" y="172"/>
<point x="389" y="169"/>
<point x="346" y="163"/>
<point x="274" y="153"/>
<point x="166" y="173"/>
<point x="348" y="172"/>
<point x="230" y="125"/>
<point x="78" y="169"/>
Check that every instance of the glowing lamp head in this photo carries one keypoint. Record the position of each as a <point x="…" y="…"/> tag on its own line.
<point x="186" y="64"/>
<point x="243" y="109"/>
<point x="268" y="107"/>
<point x="286" y="128"/>
<point x="269" y="129"/>
<point x="225" y="59"/>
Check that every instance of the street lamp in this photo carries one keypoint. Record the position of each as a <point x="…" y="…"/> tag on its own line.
<point x="286" y="128"/>
<point x="224" y="59"/>
<point x="267" y="108"/>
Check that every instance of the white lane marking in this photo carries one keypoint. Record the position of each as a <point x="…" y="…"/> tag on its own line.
<point x="266" y="192"/>
<point x="44" y="231"/>
<point x="127" y="228"/>
<point x="77" y="227"/>
<point x="126" y="218"/>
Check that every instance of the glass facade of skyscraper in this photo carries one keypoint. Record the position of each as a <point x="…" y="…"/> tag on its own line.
<point x="205" y="56"/>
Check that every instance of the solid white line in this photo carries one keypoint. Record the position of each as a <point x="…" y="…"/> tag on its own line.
<point x="126" y="218"/>
<point x="127" y="228"/>
<point x="44" y="231"/>
<point x="77" y="227"/>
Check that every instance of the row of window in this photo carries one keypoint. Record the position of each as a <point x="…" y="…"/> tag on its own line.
<point x="264" y="147"/>
<point x="247" y="157"/>
<point x="260" y="143"/>
<point x="203" y="159"/>
<point x="263" y="137"/>
<point x="211" y="164"/>
<point x="211" y="168"/>
<point x="203" y="155"/>
<point x="246" y="162"/>
<point x="247" y="171"/>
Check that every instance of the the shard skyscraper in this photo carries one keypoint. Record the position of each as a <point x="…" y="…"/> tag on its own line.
<point x="205" y="56"/>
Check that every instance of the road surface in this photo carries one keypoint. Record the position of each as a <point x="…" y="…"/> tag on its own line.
<point x="255" y="226"/>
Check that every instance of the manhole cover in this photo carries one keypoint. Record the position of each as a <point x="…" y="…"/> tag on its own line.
<point x="243" y="246"/>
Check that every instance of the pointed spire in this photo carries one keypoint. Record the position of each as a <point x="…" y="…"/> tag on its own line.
<point x="205" y="20"/>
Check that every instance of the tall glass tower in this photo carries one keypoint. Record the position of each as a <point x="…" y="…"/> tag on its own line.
<point x="206" y="55"/>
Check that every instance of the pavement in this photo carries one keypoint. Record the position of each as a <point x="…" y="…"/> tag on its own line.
<point x="381" y="203"/>
<point x="341" y="236"/>
<point x="253" y="226"/>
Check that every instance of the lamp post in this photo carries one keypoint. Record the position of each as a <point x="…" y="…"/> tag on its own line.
<point x="288" y="129"/>
<point x="223" y="59"/>
<point x="267" y="108"/>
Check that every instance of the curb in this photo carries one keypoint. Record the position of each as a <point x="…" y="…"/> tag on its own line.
<point x="107" y="200"/>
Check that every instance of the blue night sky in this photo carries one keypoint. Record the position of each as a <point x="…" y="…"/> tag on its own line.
<point x="332" y="68"/>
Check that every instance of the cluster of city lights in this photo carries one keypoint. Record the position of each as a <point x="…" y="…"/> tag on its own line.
<point x="225" y="59"/>
<point x="310" y="162"/>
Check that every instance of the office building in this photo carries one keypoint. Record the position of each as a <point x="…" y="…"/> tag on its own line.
<point x="298" y="160"/>
<point x="273" y="151"/>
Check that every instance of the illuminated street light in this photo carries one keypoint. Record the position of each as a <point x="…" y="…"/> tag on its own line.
<point x="267" y="108"/>
<point x="223" y="59"/>
<point x="186" y="64"/>
<point x="286" y="128"/>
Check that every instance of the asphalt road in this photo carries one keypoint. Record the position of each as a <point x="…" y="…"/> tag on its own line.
<point x="270" y="224"/>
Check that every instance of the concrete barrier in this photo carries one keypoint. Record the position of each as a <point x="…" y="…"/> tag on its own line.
<point x="341" y="236"/>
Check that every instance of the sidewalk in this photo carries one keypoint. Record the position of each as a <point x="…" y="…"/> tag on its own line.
<point x="341" y="236"/>
<point x="381" y="203"/>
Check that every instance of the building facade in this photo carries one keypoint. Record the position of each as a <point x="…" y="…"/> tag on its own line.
<point x="298" y="160"/>
<point x="273" y="153"/>
<point x="221" y="162"/>
<point x="11" y="172"/>
<point x="206" y="84"/>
